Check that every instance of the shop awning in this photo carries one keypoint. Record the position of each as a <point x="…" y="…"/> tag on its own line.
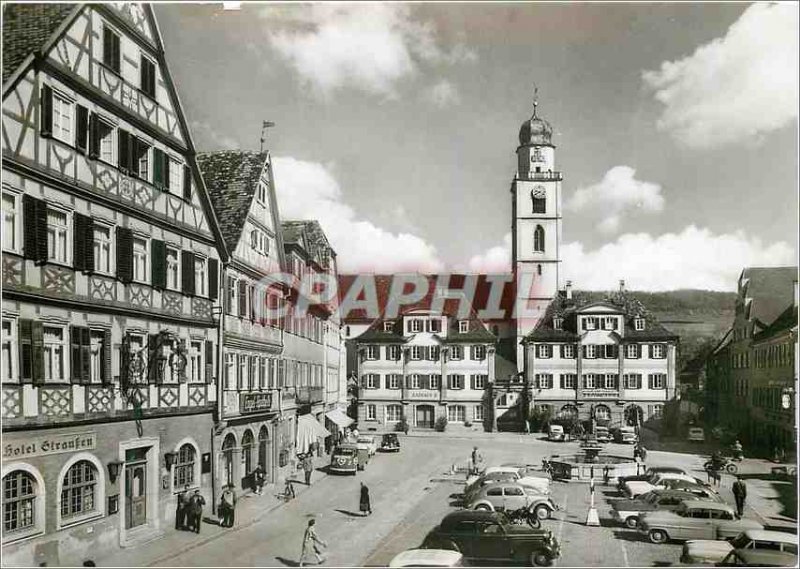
<point x="308" y="431"/>
<point x="338" y="417"/>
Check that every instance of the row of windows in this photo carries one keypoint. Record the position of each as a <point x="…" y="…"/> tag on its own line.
<point x="603" y="413"/>
<point x="601" y="381"/>
<point x="259" y="242"/>
<point x="771" y="398"/>
<point x="248" y="300"/>
<point x="603" y="323"/>
<point x="249" y="372"/>
<point x="600" y="351"/>
<point x="740" y="360"/>
<point x="112" y="58"/>
<point x="432" y="353"/>
<point x="424" y="381"/>
<point x="455" y="413"/>
<point x="777" y="355"/>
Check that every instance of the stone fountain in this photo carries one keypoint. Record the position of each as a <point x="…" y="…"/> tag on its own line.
<point x="592" y="463"/>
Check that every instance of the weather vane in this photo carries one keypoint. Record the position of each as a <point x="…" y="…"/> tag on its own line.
<point x="535" y="98"/>
<point x="264" y="126"/>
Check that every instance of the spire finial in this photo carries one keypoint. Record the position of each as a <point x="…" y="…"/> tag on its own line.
<point x="535" y="98"/>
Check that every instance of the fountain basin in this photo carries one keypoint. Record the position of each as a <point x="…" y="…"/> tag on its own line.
<point x="579" y="467"/>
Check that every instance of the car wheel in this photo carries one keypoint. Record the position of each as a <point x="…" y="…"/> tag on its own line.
<point x="483" y="508"/>
<point x="732" y="468"/>
<point x="658" y="536"/>
<point x="542" y="512"/>
<point x="632" y="522"/>
<point x="539" y="559"/>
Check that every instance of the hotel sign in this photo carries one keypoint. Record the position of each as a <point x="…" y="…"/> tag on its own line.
<point x="50" y="444"/>
<point x="255" y="402"/>
<point x="432" y="395"/>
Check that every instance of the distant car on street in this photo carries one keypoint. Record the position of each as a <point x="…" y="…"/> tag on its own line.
<point x="508" y="496"/>
<point x="647" y="474"/>
<point x="696" y="435"/>
<point x="390" y="443"/>
<point x="758" y="558"/>
<point x="344" y="459"/>
<point x="507" y="473"/>
<point x="555" y="433"/>
<point x="427" y="558"/>
<point x="625" y="435"/>
<point x="714" y="551"/>
<point x="694" y="519"/>
<point x="369" y="442"/>
<point x="628" y="511"/>
<point x="658" y="481"/>
<point x="489" y="536"/>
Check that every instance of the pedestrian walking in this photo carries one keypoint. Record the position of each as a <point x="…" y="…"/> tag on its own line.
<point x="364" y="504"/>
<point x="740" y="495"/>
<point x="288" y="491"/>
<point x="308" y="467"/>
<point x="228" y="506"/>
<point x="181" y="509"/>
<point x="312" y="542"/>
<point x="475" y="458"/>
<point x="259" y="477"/>
<point x="196" y="511"/>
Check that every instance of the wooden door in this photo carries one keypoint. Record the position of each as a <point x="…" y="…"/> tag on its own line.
<point x="425" y="416"/>
<point x="136" y="494"/>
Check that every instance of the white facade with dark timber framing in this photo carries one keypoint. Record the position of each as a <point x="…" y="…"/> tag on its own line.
<point x="111" y="257"/>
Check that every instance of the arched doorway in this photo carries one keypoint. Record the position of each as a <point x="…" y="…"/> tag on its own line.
<point x="602" y="415"/>
<point x="425" y="416"/>
<point x="228" y="446"/>
<point x="263" y="452"/>
<point x="247" y="457"/>
<point x="634" y="415"/>
<point x="568" y="412"/>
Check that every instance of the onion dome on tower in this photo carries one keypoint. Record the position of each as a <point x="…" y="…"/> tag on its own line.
<point x="536" y="130"/>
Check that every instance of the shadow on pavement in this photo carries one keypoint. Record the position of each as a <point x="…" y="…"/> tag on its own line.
<point x="288" y="562"/>
<point x="351" y="514"/>
<point x="631" y="535"/>
<point x="210" y="520"/>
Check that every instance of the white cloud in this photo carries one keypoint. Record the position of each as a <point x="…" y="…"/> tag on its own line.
<point x="308" y="190"/>
<point x="735" y="88"/>
<point x="694" y="258"/>
<point x="616" y="195"/>
<point x="208" y="138"/>
<point x="443" y="94"/>
<point x="369" y="47"/>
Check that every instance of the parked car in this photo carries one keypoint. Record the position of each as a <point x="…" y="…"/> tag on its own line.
<point x="647" y="474"/>
<point x="506" y="473"/>
<point x="555" y="433"/>
<point x="427" y="558"/>
<point x="715" y="551"/>
<point x="390" y="443"/>
<point x="502" y="496"/>
<point x="696" y="435"/>
<point x="758" y="558"/>
<point x="602" y="434"/>
<point x="628" y="511"/>
<point x="489" y="536"/>
<point x="369" y="442"/>
<point x="701" y="490"/>
<point x="625" y="435"/>
<point x="694" y="519"/>
<point x="344" y="459"/>
<point x="658" y="481"/>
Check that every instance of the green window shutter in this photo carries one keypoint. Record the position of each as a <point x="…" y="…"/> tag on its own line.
<point x="41" y="232"/>
<point x="158" y="263"/>
<point x="124" y="149"/>
<point x="46" y="119"/>
<point x="105" y="357"/>
<point x="76" y="361"/>
<point x="242" y="298"/>
<point x="37" y="341"/>
<point x="30" y="237"/>
<point x="124" y="254"/>
<point x="166" y="161"/>
<point x="24" y="334"/>
<point x="158" y="168"/>
<point x="94" y="136"/>
<point x="187" y="272"/>
<point x="187" y="183"/>
<point x="81" y="128"/>
<point x="80" y="247"/>
<point x="153" y="368"/>
<point x="86" y="355"/>
<point x="209" y="361"/>
<point x="213" y="279"/>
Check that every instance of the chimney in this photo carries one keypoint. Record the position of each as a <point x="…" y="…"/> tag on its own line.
<point x="569" y="290"/>
<point x="622" y="286"/>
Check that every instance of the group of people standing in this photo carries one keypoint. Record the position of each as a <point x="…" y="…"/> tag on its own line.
<point x="189" y="513"/>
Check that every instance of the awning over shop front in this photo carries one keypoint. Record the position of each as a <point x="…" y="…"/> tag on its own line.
<point x="338" y="417"/>
<point x="308" y="431"/>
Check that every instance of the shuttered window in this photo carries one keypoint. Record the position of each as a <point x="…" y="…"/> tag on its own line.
<point x="111" y="52"/>
<point x="54" y="353"/>
<point x="188" y="272"/>
<point x="213" y="279"/>
<point x="158" y="263"/>
<point x="83" y="243"/>
<point x="34" y="226"/>
<point x="124" y="254"/>
<point x="187" y="183"/>
<point x="209" y="361"/>
<point x="147" y="77"/>
<point x="173" y="268"/>
<point x="124" y="154"/>
<point x="62" y="125"/>
<point x="57" y="236"/>
<point x="46" y="109"/>
<point x="140" y="265"/>
<point x="101" y="249"/>
<point x="81" y="128"/>
<point x="242" y="295"/>
<point x="83" y="360"/>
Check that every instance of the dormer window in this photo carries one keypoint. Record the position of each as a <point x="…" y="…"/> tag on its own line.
<point x="387" y="326"/>
<point x="416" y="325"/>
<point x="610" y="323"/>
<point x="590" y="323"/>
<point x="558" y="323"/>
<point x="463" y="326"/>
<point x="638" y="323"/>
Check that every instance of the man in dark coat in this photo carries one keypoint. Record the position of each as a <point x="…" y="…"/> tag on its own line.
<point x="196" y="510"/>
<point x="739" y="494"/>
<point x="181" y="509"/>
<point x="364" y="503"/>
<point x="308" y="467"/>
<point x="228" y="506"/>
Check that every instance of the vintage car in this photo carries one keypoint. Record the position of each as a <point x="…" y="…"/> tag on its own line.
<point x="490" y="536"/>
<point x="694" y="519"/>
<point x="390" y="443"/>
<point x="628" y="511"/>
<point x="506" y="474"/>
<point x="758" y="558"/>
<point x="696" y="435"/>
<point x="507" y="496"/>
<point x="701" y="490"/>
<point x="625" y="435"/>
<point x="368" y="442"/>
<point x="658" y="481"/>
<point x="427" y="558"/>
<point x="714" y="551"/>
<point x="344" y="459"/>
<point x="647" y="474"/>
<point x="555" y="433"/>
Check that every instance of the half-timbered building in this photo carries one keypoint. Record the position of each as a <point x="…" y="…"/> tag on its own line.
<point x="111" y="257"/>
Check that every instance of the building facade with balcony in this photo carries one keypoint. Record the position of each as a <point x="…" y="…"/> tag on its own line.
<point x="602" y="358"/>
<point x="111" y="258"/>
<point x="422" y="366"/>
<point x="313" y="342"/>
<point x="751" y="375"/>
<point x="251" y="429"/>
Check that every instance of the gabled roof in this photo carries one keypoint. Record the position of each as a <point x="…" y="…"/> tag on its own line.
<point x="785" y="322"/>
<point x="771" y="289"/>
<point x="232" y="178"/>
<point x="568" y="308"/>
<point x="308" y="235"/>
<point x="26" y="28"/>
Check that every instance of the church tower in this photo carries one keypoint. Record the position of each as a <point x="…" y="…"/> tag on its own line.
<point x="536" y="226"/>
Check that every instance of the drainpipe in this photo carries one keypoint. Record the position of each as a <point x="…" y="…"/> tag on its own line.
<point x="220" y="384"/>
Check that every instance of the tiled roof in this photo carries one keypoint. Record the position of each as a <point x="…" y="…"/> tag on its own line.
<point x="771" y="289"/>
<point x="567" y="310"/>
<point x="316" y="244"/>
<point x="231" y="177"/>
<point x="383" y="288"/>
<point x="786" y="321"/>
<point x="26" y="27"/>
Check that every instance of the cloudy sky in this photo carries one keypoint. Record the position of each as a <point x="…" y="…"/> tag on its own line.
<point x="396" y="127"/>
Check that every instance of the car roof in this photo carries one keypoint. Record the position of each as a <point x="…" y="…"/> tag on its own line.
<point x="770" y="535"/>
<point x="493" y="469"/>
<point x="347" y="446"/>
<point x="430" y="557"/>
<point x="705" y="504"/>
<point x="675" y="469"/>
<point x="370" y="437"/>
<point x="501" y="483"/>
<point x="756" y="556"/>
<point x="454" y="517"/>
